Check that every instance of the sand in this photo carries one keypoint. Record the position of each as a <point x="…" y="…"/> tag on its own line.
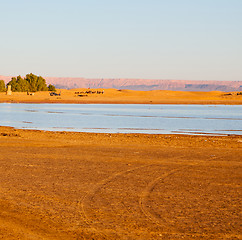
<point x="126" y="96"/>
<point x="66" y="185"/>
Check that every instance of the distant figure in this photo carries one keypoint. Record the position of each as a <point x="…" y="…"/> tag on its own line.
<point x="9" y="91"/>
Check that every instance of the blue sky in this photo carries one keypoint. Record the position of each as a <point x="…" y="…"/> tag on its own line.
<point x="149" y="39"/>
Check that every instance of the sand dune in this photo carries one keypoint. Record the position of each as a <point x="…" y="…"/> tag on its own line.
<point x="126" y="96"/>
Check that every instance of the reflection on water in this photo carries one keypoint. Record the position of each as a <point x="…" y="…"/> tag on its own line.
<point x="124" y="118"/>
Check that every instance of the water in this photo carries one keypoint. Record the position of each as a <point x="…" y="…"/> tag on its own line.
<point x="124" y="118"/>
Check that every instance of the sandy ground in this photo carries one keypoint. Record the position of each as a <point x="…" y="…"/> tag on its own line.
<point x="126" y="96"/>
<point x="59" y="185"/>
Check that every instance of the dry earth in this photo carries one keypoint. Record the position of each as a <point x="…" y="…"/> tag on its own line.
<point x="59" y="185"/>
<point x="126" y="96"/>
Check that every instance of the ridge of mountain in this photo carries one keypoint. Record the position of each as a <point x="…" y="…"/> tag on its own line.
<point x="141" y="84"/>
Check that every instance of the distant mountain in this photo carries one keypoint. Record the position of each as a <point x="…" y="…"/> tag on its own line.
<point x="146" y="84"/>
<point x="142" y="84"/>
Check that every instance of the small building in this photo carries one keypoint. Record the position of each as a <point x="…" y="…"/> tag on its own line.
<point x="9" y="91"/>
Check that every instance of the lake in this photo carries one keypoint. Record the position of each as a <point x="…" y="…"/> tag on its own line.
<point x="125" y="118"/>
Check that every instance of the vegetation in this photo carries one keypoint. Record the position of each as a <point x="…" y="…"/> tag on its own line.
<point x="52" y="88"/>
<point x="31" y="83"/>
<point x="2" y="86"/>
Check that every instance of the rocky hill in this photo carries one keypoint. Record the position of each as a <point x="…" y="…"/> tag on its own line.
<point x="142" y="84"/>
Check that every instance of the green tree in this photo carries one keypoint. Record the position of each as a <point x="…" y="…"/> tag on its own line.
<point x="32" y="80"/>
<point x="36" y="83"/>
<point x="13" y="84"/>
<point x="41" y="84"/>
<point x="2" y="86"/>
<point x="31" y="83"/>
<point x="22" y="84"/>
<point x="52" y="88"/>
<point x="18" y="84"/>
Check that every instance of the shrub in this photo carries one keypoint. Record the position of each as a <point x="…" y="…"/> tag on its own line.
<point x="52" y="88"/>
<point x="31" y="83"/>
<point x="2" y="86"/>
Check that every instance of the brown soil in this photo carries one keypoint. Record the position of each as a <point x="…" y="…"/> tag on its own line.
<point x="59" y="185"/>
<point x="126" y="96"/>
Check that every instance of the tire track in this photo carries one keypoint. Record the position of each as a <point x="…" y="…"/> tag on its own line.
<point x="147" y="191"/>
<point x="100" y="185"/>
<point x="83" y="203"/>
<point x="146" y="211"/>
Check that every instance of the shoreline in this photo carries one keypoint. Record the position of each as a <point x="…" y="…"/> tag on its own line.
<point x="113" y="102"/>
<point x="10" y="131"/>
<point x="201" y="134"/>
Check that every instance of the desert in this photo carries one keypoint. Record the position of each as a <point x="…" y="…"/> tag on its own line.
<point x="66" y="185"/>
<point x="120" y="120"/>
<point x="125" y="96"/>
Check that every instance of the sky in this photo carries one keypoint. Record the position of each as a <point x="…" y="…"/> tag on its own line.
<point x="148" y="39"/>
